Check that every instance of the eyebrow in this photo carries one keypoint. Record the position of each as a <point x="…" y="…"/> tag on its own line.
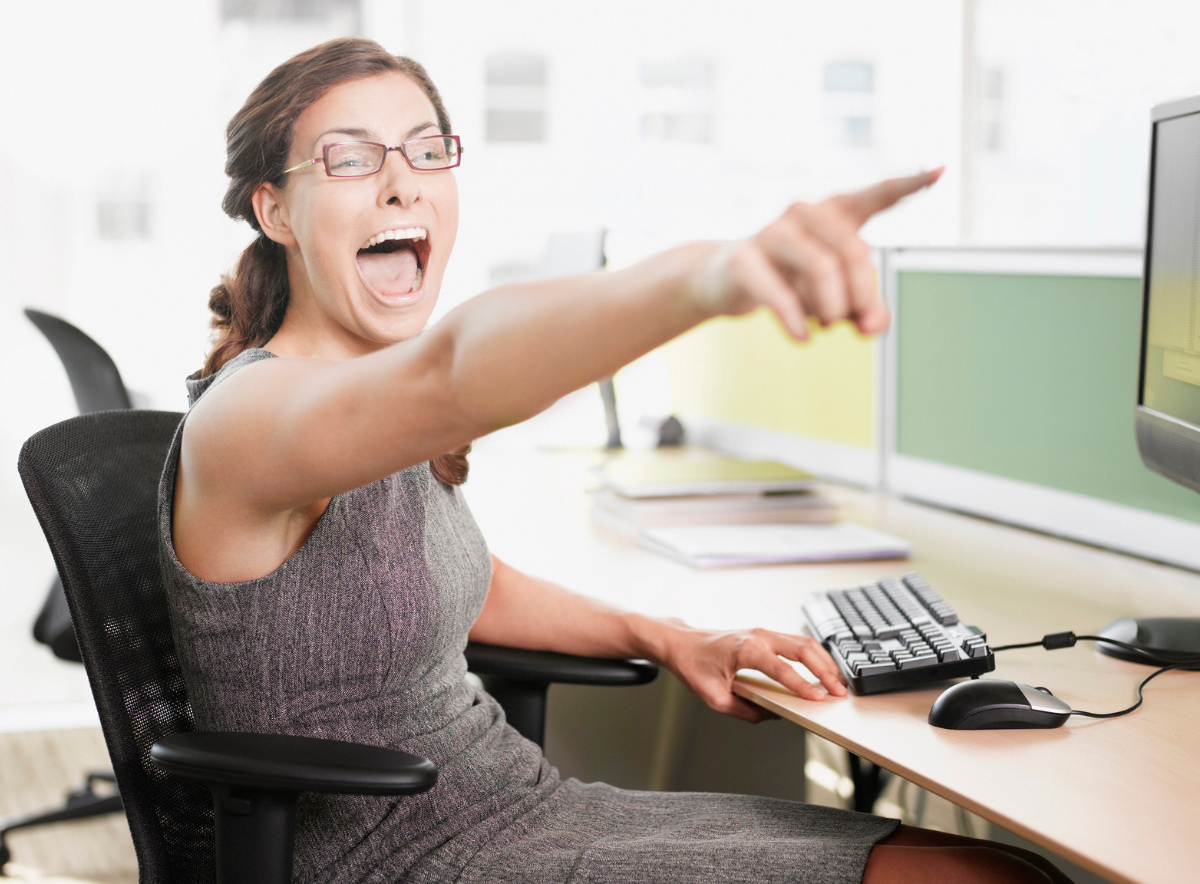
<point x="366" y="135"/>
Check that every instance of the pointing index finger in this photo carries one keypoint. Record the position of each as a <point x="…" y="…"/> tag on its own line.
<point x="860" y="206"/>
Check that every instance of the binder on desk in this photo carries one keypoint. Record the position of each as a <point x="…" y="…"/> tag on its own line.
<point x="696" y="472"/>
<point x="629" y="515"/>
<point x="716" y="546"/>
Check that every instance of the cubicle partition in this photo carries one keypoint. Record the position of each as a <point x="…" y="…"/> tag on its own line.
<point x="1005" y="389"/>
<point x="744" y="386"/>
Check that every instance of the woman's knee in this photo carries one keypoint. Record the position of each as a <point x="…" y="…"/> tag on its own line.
<point x="969" y="865"/>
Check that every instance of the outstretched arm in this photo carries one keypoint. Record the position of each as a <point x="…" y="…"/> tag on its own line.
<point x="526" y="612"/>
<point x="265" y="450"/>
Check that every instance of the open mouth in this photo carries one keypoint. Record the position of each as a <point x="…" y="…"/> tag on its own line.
<point x="393" y="261"/>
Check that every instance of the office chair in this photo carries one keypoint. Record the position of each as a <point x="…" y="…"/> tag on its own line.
<point x="95" y="381"/>
<point x="97" y="386"/>
<point x="93" y="484"/>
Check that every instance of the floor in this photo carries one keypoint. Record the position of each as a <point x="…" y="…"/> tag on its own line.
<point x="37" y="769"/>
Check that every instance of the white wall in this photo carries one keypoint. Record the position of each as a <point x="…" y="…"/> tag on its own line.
<point x="1080" y="79"/>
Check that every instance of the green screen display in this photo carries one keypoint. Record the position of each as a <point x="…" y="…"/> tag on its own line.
<point x="1031" y="378"/>
<point x="1172" y="370"/>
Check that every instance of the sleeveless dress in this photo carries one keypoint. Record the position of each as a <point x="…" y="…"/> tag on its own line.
<point x="359" y="636"/>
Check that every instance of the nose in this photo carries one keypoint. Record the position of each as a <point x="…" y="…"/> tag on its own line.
<point x="400" y="185"/>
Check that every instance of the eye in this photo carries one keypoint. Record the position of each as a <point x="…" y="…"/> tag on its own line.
<point x="353" y="158"/>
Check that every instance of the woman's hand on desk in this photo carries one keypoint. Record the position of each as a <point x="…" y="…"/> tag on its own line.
<point x="522" y="611"/>
<point x="809" y="262"/>
<point x="707" y="662"/>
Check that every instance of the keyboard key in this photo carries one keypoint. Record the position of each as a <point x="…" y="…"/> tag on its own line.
<point x="978" y="651"/>
<point x="868" y="669"/>
<point x="919" y="662"/>
<point x="948" y="655"/>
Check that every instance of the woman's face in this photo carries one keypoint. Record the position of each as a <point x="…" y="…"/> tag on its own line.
<point x="363" y="300"/>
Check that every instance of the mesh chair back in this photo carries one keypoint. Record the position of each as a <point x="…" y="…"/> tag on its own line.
<point x="93" y="483"/>
<point x="94" y="378"/>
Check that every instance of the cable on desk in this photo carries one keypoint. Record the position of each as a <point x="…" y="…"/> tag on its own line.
<point x="1145" y="682"/>
<point x="1056" y="640"/>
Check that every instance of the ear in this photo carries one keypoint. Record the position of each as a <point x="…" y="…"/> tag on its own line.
<point x="272" y="214"/>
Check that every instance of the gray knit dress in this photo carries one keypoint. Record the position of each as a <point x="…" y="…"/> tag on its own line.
<point x="360" y="635"/>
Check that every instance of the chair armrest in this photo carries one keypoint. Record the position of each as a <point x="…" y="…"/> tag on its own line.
<point x="284" y="763"/>
<point x="546" y="667"/>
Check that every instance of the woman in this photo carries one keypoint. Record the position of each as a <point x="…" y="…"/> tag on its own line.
<point x="323" y="572"/>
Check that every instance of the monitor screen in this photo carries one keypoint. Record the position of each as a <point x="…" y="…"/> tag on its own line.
<point x="1171" y="348"/>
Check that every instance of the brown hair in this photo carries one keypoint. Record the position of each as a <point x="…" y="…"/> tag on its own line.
<point x="248" y="304"/>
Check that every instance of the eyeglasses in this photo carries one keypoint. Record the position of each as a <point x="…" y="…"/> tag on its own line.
<point x="357" y="159"/>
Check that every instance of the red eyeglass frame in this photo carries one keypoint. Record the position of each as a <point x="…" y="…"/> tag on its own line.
<point x="324" y="157"/>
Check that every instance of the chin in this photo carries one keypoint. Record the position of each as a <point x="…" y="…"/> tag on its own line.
<point x="401" y="319"/>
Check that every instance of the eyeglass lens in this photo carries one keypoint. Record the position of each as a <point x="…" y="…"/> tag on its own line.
<point x="352" y="159"/>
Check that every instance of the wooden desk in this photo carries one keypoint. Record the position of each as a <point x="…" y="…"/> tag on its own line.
<point x="1120" y="798"/>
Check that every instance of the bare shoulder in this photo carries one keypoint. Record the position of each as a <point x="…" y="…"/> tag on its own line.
<point x="238" y="415"/>
<point x="231" y="520"/>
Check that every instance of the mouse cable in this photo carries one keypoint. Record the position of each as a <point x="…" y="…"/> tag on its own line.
<point x="1056" y="640"/>
<point x="1145" y="682"/>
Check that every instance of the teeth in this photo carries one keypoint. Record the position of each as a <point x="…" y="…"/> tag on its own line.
<point x="398" y="233"/>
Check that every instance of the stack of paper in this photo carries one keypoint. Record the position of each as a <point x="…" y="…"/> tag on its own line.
<point x="694" y="486"/>
<point x="709" y="510"/>
<point x="630" y="515"/>
<point x="711" y="546"/>
<point x="695" y="471"/>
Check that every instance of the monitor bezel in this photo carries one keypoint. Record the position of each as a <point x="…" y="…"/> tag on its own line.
<point x="1169" y="446"/>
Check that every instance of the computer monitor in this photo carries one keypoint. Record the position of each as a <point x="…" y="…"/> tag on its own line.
<point x="1168" y="406"/>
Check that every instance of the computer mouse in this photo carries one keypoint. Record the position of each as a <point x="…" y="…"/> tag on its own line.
<point x="986" y="703"/>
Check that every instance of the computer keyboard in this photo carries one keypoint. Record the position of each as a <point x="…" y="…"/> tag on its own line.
<point x="894" y="633"/>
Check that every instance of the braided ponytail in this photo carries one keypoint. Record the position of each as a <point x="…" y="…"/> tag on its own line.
<point x="249" y="304"/>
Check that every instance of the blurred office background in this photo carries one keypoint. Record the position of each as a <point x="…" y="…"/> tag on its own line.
<point x="659" y="121"/>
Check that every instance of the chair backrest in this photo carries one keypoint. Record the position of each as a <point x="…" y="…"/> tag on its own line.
<point x="93" y="482"/>
<point x="97" y="386"/>
<point x="94" y="378"/>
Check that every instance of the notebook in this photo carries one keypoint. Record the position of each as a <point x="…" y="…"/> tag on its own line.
<point x="682" y="474"/>
<point x="629" y="515"/>
<point x="716" y="546"/>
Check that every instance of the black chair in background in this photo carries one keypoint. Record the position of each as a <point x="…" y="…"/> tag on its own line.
<point x="93" y="481"/>
<point x="97" y="386"/>
<point x="94" y="377"/>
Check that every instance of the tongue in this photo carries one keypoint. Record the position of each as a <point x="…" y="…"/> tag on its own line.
<point x="391" y="274"/>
